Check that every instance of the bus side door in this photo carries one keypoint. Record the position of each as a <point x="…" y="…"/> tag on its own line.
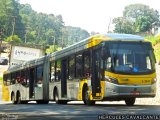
<point x="96" y="72"/>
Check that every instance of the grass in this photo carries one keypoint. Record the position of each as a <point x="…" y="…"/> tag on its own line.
<point x="157" y="53"/>
<point x="1" y="78"/>
<point x="156" y="45"/>
<point x="154" y="40"/>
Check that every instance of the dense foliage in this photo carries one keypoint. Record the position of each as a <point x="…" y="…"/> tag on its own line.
<point x="19" y="22"/>
<point x="136" y="18"/>
<point x="155" y="40"/>
<point x="10" y="19"/>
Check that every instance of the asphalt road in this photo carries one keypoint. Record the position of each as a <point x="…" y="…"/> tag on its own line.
<point x="74" y="110"/>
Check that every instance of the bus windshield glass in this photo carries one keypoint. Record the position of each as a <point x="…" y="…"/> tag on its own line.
<point x="130" y="57"/>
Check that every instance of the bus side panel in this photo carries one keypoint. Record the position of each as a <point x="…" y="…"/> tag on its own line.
<point x="76" y="89"/>
<point x="51" y="90"/>
<point x="27" y="94"/>
<point x="38" y="92"/>
<point x="5" y="93"/>
<point x="73" y="89"/>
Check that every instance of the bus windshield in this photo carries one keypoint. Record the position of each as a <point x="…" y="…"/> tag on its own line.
<point x="130" y="57"/>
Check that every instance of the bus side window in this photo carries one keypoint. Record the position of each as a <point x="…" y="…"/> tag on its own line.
<point x="71" y="67"/>
<point x="27" y="77"/>
<point x="87" y="64"/>
<point x="5" y="79"/>
<point x="13" y="80"/>
<point x="39" y="74"/>
<point x="58" y="70"/>
<point x="23" y="77"/>
<point x="8" y="79"/>
<point x="18" y="77"/>
<point x="79" y="66"/>
<point x="52" y="71"/>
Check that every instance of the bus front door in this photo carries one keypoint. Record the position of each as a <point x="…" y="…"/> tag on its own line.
<point x="64" y="79"/>
<point x="96" y="73"/>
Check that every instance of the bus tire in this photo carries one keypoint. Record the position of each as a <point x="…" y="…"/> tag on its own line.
<point x="130" y="101"/>
<point x="83" y="93"/>
<point x="42" y="101"/>
<point x="24" y="102"/>
<point x="45" y="102"/>
<point x="87" y="97"/>
<point x="56" y="98"/>
<point x="18" y="98"/>
<point x="13" y="98"/>
<point x="64" y="102"/>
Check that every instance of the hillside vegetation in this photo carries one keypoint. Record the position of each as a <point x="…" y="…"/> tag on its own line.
<point x="155" y="40"/>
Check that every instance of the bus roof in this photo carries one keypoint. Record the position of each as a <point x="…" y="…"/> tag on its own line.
<point x="26" y="64"/>
<point x="93" y="41"/>
<point x="116" y="36"/>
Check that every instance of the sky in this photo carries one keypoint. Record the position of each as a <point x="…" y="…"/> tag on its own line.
<point x="91" y="15"/>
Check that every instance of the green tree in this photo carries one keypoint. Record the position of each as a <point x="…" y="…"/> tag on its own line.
<point x="123" y="25"/>
<point x="13" y="39"/>
<point x="50" y="36"/>
<point x="71" y="35"/>
<point x="45" y="26"/>
<point x="10" y="20"/>
<point x="136" y="18"/>
<point x="142" y="15"/>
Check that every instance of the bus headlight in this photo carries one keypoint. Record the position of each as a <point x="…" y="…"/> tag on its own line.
<point x="112" y="80"/>
<point x="154" y="80"/>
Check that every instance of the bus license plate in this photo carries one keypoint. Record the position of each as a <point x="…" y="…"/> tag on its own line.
<point x="135" y="93"/>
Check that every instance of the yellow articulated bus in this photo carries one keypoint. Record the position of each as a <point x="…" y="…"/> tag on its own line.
<point x="110" y="67"/>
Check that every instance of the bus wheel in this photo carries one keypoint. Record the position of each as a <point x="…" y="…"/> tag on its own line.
<point x="56" y="98"/>
<point x="130" y="101"/>
<point x="87" y="97"/>
<point x="18" y="98"/>
<point x="24" y="102"/>
<point x="13" y="98"/>
<point x="83" y="94"/>
<point x="63" y="102"/>
<point x="39" y="101"/>
<point x="45" y="102"/>
<point x="42" y="102"/>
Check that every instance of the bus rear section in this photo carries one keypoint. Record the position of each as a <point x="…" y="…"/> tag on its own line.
<point x="5" y="93"/>
<point x="27" y="82"/>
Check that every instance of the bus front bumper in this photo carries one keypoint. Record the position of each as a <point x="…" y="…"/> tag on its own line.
<point x="138" y="91"/>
